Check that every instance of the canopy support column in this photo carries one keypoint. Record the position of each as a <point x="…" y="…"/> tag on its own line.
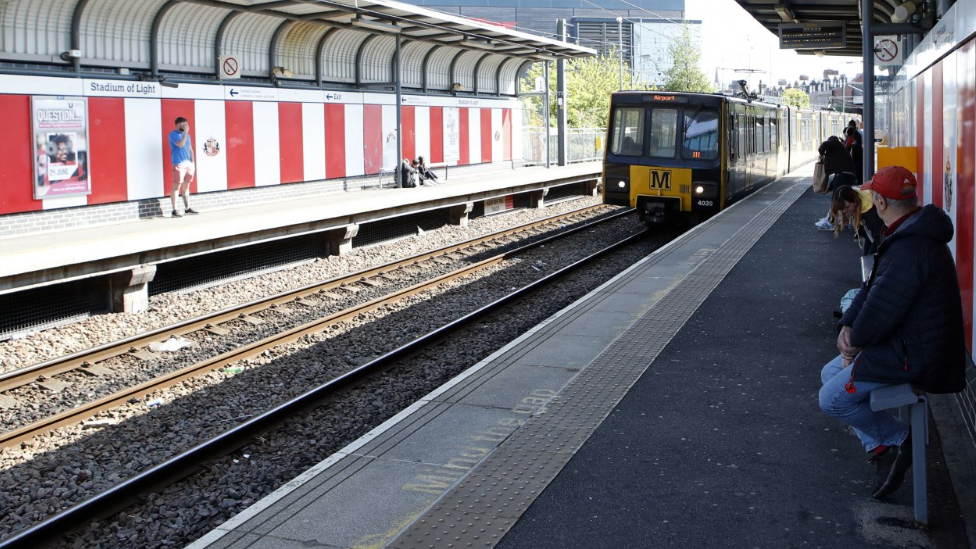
<point x="561" y="129"/>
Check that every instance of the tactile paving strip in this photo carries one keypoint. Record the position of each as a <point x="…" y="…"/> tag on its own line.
<point x="481" y="509"/>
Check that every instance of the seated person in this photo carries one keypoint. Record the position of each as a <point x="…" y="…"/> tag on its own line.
<point x="425" y="173"/>
<point x="408" y="174"/>
<point x="857" y="207"/>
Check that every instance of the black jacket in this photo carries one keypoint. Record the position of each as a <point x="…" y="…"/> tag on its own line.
<point x="836" y="157"/>
<point x="870" y="230"/>
<point x="907" y="318"/>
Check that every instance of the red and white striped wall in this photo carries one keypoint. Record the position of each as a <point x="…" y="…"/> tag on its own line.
<point x="265" y="137"/>
<point x="945" y="137"/>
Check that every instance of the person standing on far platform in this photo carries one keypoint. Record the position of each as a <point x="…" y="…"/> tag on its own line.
<point x="853" y="125"/>
<point x="904" y="326"/>
<point x="181" y="152"/>
<point x="854" y="147"/>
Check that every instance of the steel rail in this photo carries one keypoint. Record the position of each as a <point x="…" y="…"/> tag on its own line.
<point x="184" y="464"/>
<point x="83" y="359"/>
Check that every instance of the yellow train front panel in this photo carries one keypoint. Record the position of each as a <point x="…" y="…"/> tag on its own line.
<point x="653" y="181"/>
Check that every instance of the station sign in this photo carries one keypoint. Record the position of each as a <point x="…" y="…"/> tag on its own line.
<point x="121" y="88"/>
<point x="414" y="100"/>
<point x="814" y="35"/>
<point x="499" y="205"/>
<point x="237" y="93"/>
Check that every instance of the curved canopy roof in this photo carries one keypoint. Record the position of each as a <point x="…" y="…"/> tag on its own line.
<point x="323" y="42"/>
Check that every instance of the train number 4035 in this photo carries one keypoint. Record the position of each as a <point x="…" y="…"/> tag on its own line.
<point x="661" y="179"/>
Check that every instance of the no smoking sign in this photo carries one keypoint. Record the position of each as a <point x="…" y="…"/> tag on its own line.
<point x="229" y="67"/>
<point x="887" y="52"/>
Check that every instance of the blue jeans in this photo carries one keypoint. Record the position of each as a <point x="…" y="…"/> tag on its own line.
<point x="854" y="409"/>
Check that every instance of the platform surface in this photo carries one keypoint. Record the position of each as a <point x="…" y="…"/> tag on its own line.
<point x="674" y="407"/>
<point x="134" y="242"/>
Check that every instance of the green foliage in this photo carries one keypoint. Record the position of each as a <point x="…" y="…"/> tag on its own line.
<point x="685" y="73"/>
<point x="796" y="98"/>
<point x="589" y="83"/>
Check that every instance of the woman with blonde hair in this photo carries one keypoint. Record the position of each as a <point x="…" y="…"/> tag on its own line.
<point x="854" y="206"/>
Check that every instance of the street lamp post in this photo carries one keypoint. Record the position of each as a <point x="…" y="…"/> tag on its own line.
<point x="620" y="48"/>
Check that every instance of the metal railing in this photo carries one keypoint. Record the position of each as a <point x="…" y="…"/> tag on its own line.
<point x="584" y="145"/>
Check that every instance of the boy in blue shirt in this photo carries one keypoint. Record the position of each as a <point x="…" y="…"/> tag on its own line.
<point x="181" y="152"/>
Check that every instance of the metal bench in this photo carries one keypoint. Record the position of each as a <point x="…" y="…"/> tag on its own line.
<point x="914" y="406"/>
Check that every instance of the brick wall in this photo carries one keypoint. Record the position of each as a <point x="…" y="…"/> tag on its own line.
<point x="967" y="402"/>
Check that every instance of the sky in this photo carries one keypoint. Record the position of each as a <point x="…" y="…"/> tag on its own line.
<point x="725" y="24"/>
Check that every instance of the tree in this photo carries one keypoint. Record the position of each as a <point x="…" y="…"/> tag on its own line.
<point x="685" y="73"/>
<point x="589" y="83"/>
<point x="796" y="98"/>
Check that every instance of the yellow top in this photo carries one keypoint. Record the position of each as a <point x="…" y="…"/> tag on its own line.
<point x="866" y="200"/>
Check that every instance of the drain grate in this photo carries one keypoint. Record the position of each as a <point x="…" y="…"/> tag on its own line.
<point x="203" y="271"/>
<point x="50" y="306"/>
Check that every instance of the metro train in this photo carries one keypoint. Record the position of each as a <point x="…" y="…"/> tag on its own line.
<point x="686" y="156"/>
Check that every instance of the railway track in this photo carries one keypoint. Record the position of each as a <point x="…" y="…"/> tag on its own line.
<point x="179" y="466"/>
<point x="218" y="324"/>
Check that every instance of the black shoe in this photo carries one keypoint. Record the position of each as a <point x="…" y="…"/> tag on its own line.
<point x="191" y="211"/>
<point x="896" y="476"/>
<point x="177" y="214"/>
<point x="882" y="464"/>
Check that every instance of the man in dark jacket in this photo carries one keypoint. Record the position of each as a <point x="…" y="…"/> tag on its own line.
<point x="837" y="162"/>
<point x="905" y="325"/>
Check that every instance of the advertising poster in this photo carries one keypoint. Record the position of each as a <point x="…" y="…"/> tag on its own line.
<point x="452" y="134"/>
<point x="61" y="146"/>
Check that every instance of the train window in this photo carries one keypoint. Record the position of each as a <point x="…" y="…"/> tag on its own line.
<point x="628" y="132"/>
<point x="773" y="134"/>
<point x="664" y="130"/>
<point x="701" y="135"/>
<point x="760" y="135"/>
<point x="741" y="140"/>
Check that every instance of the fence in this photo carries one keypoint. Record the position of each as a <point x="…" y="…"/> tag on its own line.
<point x="584" y="145"/>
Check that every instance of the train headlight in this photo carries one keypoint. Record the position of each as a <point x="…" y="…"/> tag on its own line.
<point x="622" y="184"/>
<point x="705" y="189"/>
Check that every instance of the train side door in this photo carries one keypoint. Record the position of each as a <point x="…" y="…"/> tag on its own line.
<point x="751" y="163"/>
<point x="731" y="156"/>
<point x="737" y="181"/>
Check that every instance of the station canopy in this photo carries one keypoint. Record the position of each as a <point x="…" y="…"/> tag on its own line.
<point x="823" y="19"/>
<point x="323" y="42"/>
<point x="412" y="23"/>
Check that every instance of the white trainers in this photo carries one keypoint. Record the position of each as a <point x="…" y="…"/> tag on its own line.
<point x="824" y="225"/>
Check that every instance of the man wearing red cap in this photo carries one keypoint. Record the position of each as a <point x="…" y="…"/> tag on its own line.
<point x="905" y="325"/>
